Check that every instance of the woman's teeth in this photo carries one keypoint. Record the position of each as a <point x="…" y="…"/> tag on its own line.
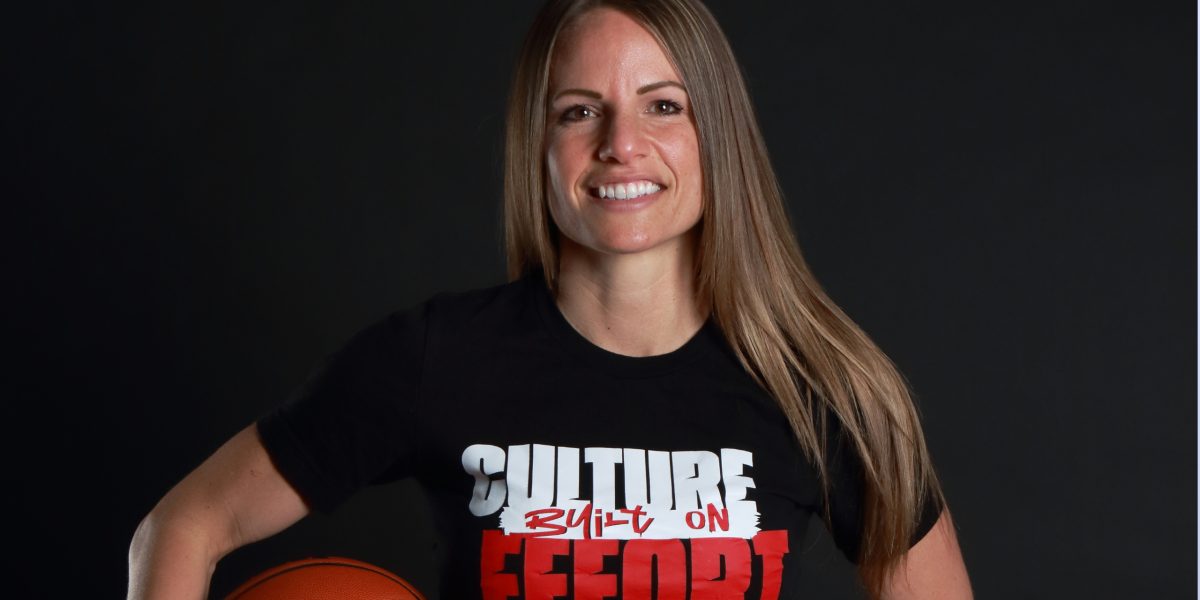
<point x="628" y="191"/>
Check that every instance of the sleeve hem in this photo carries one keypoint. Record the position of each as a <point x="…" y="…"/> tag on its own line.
<point x="930" y="515"/>
<point x="292" y="461"/>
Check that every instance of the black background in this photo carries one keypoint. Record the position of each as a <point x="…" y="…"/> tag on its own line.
<point x="204" y="198"/>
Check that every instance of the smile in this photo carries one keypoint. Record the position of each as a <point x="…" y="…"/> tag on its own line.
<point x="627" y="191"/>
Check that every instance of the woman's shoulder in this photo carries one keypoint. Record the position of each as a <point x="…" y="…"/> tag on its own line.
<point x="498" y="301"/>
<point x="450" y="313"/>
<point x="475" y="299"/>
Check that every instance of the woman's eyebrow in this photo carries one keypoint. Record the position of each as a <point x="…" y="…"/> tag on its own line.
<point x="660" y="84"/>
<point x="650" y="87"/>
<point x="577" y="92"/>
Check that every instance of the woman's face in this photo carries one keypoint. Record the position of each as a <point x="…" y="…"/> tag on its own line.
<point x="621" y="146"/>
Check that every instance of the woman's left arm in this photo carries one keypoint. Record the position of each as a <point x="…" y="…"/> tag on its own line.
<point x="933" y="569"/>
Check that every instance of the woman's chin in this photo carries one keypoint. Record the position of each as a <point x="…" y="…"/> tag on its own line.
<point x="631" y="244"/>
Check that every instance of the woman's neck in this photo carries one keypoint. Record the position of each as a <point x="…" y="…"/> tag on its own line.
<point x="641" y="304"/>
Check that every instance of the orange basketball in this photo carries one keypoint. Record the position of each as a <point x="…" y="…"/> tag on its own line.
<point x="328" y="578"/>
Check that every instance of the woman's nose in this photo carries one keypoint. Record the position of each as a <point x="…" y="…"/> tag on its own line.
<point x="623" y="140"/>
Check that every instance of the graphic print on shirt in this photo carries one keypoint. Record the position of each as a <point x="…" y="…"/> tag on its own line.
<point x="671" y="528"/>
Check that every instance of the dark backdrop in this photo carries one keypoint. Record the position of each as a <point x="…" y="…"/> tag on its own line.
<point x="205" y="198"/>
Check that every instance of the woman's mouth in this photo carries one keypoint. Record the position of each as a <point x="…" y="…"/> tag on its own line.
<point x="625" y="191"/>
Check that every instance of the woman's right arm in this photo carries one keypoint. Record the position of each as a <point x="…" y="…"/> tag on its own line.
<point x="234" y="498"/>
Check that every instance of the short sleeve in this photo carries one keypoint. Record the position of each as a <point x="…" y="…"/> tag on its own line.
<point x="350" y="423"/>
<point x="846" y="479"/>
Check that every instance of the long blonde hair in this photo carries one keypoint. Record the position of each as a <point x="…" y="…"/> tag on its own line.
<point x="787" y="333"/>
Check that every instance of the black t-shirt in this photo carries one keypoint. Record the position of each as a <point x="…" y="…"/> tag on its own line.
<point x="557" y="468"/>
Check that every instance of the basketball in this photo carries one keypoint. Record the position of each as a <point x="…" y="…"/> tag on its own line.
<point x="326" y="578"/>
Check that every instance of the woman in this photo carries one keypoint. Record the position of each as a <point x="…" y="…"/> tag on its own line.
<point x="655" y="403"/>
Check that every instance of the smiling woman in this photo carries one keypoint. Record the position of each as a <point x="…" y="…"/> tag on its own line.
<point x="653" y="406"/>
<point x="739" y="265"/>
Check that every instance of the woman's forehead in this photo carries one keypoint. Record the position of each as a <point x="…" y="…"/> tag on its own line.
<point x="606" y="46"/>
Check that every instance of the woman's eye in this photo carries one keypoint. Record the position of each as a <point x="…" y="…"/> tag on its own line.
<point x="667" y="107"/>
<point x="578" y="113"/>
